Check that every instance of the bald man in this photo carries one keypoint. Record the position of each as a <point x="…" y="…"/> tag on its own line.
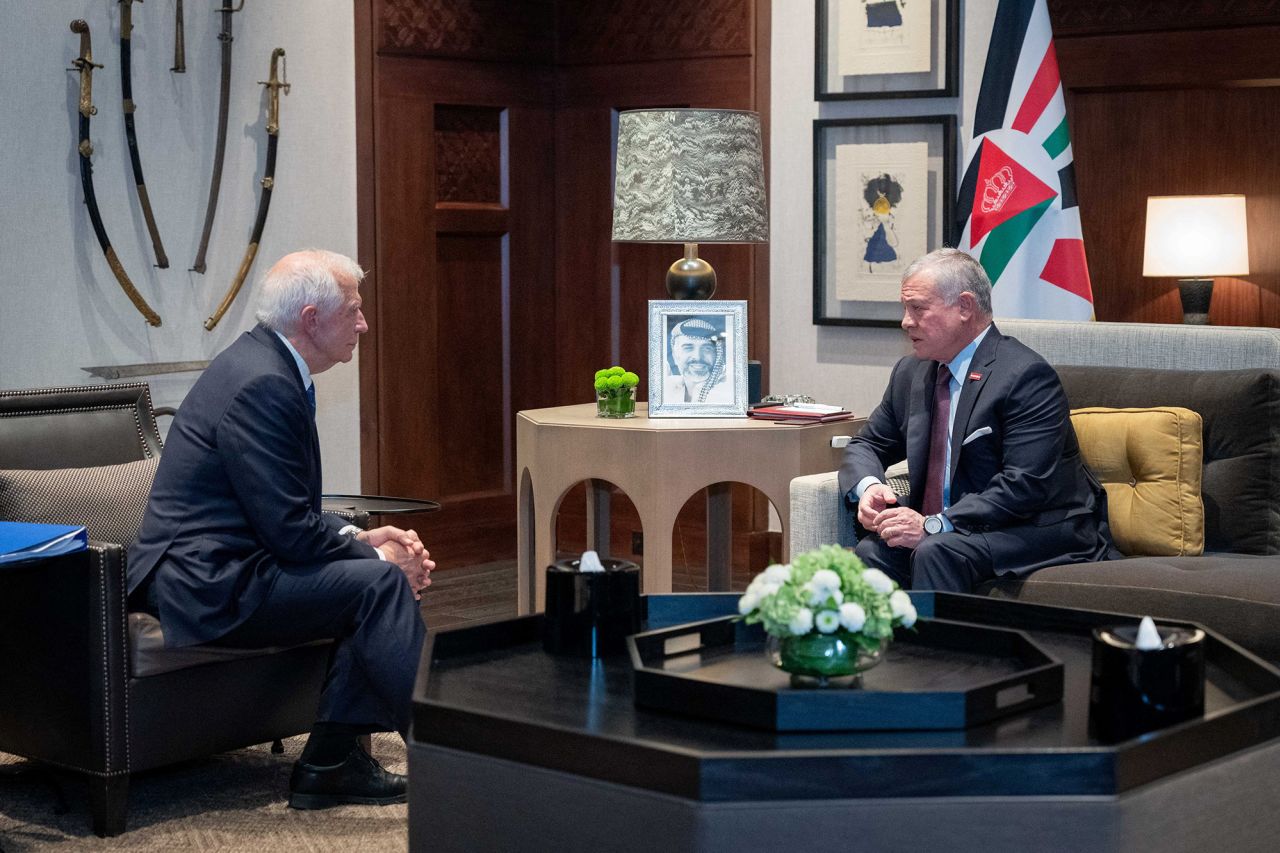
<point x="234" y="550"/>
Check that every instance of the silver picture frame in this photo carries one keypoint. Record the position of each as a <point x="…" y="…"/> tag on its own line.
<point x="697" y="358"/>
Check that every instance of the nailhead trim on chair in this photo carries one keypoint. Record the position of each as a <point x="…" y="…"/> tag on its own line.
<point x="137" y="424"/>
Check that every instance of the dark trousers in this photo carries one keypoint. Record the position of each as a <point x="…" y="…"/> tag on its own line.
<point x="366" y="606"/>
<point x="957" y="562"/>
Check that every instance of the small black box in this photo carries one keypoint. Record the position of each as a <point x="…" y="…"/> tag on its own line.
<point x="591" y="614"/>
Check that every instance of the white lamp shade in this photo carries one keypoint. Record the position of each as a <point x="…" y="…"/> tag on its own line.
<point x="689" y="176"/>
<point x="1196" y="236"/>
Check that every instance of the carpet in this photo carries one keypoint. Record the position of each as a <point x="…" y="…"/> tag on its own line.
<point x="233" y="801"/>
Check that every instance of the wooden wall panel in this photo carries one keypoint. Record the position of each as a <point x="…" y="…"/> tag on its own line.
<point x="473" y="403"/>
<point x="521" y="31"/>
<point x="1183" y="99"/>
<point x="609" y="32"/>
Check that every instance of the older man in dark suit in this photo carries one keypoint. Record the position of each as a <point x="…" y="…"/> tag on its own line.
<point x="997" y="483"/>
<point x="234" y="550"/>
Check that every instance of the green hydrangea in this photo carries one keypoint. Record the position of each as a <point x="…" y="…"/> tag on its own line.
<point x="630" y="380"/>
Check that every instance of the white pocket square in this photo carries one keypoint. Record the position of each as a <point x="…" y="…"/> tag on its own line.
<point x="976" y="434"/>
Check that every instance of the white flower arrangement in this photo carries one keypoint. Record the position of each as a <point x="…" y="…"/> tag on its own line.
<point x="827" y="590"/>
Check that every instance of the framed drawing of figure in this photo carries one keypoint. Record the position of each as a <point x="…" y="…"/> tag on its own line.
<point x="697" y="359"/>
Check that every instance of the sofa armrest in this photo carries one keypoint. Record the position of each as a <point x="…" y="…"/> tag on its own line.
<point x="64" y="682"/>
<point x="818" y="515"/>
<point x="359" y="518"/>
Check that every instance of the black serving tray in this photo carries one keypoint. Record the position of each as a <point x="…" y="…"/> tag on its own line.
<point x="939" y="675"/>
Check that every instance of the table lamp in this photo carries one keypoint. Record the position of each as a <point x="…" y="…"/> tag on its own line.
<point x="1195" y="237"/>
<point x="689" y="176"/>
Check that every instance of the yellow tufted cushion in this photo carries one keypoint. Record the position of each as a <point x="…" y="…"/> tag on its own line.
<point x="1150" y="462"/>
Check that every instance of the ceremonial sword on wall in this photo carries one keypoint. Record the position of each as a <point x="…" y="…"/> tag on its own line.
<point x="85" y="65"/>
<point x="224" y="98"/>
<point x="274" y="84"/>
<point x="131" y="134"/>
<point x="179" y="43"/>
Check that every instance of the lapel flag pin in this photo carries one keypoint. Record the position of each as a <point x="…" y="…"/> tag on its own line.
<point x="975" y="376"/>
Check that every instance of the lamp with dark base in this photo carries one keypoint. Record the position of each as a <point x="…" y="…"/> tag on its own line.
<point x="690" y="176"/>
<point x="1194" y="238"/>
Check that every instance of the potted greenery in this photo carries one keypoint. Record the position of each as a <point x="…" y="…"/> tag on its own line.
<point x="616" y="393"/>
<point x="827" y="615"/>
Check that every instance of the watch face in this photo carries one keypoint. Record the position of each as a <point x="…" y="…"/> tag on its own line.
<point x="933" y="524"/>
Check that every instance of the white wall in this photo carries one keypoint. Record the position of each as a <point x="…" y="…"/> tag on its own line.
<point x="62" y="308"/>
<point x="835" y="364"/>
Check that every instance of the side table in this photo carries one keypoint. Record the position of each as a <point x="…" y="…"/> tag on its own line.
<point x="659" y="463"/>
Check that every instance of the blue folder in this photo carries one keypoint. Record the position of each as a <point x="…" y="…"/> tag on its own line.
<point x="23" y="541"/>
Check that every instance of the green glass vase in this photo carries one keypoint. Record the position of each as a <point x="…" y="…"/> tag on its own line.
<point x="824" y="658"/>
<point x="616" y="403"/>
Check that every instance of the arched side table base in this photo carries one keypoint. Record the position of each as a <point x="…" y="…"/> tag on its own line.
<point x="659" y="463"/>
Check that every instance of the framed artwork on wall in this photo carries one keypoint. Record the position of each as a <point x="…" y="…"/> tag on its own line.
<point x="885" y="49"/>
<point x="883" y="195"/>
<point x="697" y="358"/>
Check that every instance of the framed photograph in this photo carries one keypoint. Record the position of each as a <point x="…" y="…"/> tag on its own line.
<point x="883" y="195"/>
<point x="697" y="359"/>
<point x="886" y="49"/>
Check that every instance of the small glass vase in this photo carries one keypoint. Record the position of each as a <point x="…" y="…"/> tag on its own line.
<point x="616" y="403"/>
<point x="822" y="660"/>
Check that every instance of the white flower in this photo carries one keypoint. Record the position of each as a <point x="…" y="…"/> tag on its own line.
<point x="825" y="579"/>
<point x="827" y="621"/>
<point x="900" y="604"/>
<point x="750" y="601"/>
<point x="801" y="623"/>
<point x="778" y="573"/>
<point x="765" y="590"/>
<point x="819" y="595"/>
<point x="878" y="581"/>
<point x="852" y="616"/>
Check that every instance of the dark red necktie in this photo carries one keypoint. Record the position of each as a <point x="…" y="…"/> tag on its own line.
<point x="937" y="471"/>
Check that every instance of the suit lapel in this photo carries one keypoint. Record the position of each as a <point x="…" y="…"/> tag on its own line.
<point x="980" y="366"/>
<point x="269" y="338"/>
<point x="918" y="426"/>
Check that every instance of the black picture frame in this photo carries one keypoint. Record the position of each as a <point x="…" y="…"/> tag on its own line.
<point x="939" y="132"/>
<point x="939" y="81"/>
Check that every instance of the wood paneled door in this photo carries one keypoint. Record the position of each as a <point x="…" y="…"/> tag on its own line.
<point x="485" y="157"/>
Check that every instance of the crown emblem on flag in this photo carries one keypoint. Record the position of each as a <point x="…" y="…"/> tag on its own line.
<point x="997" y="189"/>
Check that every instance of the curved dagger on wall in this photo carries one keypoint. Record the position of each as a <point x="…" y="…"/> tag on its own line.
<point x="85" y="65"/>
<point x="274" y="84"/>
<point x="131" y="134"/>
<point x="224" y="98"/>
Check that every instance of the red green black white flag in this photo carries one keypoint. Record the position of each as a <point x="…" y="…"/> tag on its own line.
<point x="1017" y="208"/>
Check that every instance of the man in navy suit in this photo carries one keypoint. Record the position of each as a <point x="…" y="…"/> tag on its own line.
<point x="234" y="550"/>
<point x="997" y="483"/>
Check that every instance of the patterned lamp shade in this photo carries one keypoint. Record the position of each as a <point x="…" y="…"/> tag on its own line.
<point x="690" y="176"/>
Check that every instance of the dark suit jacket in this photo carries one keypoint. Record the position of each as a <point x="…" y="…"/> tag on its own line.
<point x="1025" y="473"/>
<point x="236" y="497"/>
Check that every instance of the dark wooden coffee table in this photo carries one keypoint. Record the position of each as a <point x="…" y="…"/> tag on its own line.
<point x="515" y="749"/>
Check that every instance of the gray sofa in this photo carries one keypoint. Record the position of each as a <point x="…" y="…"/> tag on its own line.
<point x="1231" y="377"/>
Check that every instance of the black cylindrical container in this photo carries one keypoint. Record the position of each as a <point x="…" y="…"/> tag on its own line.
<point x="590" y="614"/>
<point x="1136" y="691"/>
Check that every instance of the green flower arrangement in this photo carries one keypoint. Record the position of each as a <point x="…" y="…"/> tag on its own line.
<point x="829" y="614"/>
<point x="616" y="392"/>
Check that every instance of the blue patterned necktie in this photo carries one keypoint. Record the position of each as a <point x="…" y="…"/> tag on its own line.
<point x="311" y="398"/>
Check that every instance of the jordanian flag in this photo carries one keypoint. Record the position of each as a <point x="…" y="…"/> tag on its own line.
<point x="1017" y="207"/>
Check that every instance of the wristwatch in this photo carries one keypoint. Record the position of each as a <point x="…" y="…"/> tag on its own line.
<point x="933" y="524"/>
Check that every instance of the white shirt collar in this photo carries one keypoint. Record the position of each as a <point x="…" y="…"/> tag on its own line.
<point x="303" y="370"/>
<point x="959" y="365"/>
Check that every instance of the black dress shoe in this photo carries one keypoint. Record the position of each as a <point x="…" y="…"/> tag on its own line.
<point x="358" y="779"/>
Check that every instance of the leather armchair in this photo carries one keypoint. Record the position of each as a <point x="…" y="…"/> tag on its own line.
<point x="87" y="686"/>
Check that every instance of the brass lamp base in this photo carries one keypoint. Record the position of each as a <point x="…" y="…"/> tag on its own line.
<point x="691" y="277"/>
<point x="1196" y="294"/>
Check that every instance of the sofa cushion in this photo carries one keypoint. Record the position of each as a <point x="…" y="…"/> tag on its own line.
<point x="1149" y="461"/>
<point x="108" y="500"/>
<point x="1241" y="438"/>
<point x="149" y="656"/>
<point x="1236" y="595"/>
